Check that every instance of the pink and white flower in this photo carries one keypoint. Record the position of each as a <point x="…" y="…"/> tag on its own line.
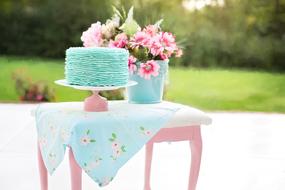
<point x="147" y="132"/>
<point x="179" y="53"/>
<point x="93" y="36"/>
<point x="95" y="163"/>
<point x="151" y="30"/>
<point x="132" y="64"/>
<point x="141" y="38"/>
<point x="64" y="135"/>
<point x="115" y="145"/>
<point x="52" y="159"/>
<point x="148" y="69"/>
<point x="85" y="140"/>
<point x="117" y="153"/>
<point x="164" y="45"/>
<point x="121" y="40"/>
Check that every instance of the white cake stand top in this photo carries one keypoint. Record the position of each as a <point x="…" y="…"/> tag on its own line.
<point x="63" y="82"/>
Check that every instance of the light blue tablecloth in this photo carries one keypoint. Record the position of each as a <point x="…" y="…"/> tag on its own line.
<point x="102" y="142"/>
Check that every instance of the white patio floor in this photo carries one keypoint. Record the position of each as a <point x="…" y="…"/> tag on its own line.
<point x="242" y="151"/>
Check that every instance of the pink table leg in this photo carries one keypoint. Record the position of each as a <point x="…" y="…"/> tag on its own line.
<point x="75" y="172"/>
<point x="148" y="158"/>
<point x="196" y="153"/>
<point x="43" y="171"/>
<point x="192" y="134"/>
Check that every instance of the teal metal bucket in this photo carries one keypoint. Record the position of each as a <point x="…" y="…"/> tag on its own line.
<point x="148" y="91"/>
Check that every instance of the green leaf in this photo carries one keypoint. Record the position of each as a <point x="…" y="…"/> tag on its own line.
<point x="117" y="12"/>
<point x="142" y="128"/>
<point x="123" y="149"/>
<point x="88" y="131"/>
<point x="141" y="53"/>
<point x="124" y="14"/>
<point x="158" y="23"/>
<point x="92" y="140"/>
<point x="130" y="27"/>
<point x="110" y="139"/>
<point x="114" y="136"/>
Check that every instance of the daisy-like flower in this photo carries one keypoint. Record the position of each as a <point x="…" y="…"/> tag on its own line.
<point x="141" y="38"/>
<point x="179" y="53"/>
<point x="148" y="69"/>
<point x="64" y="135"/>
<point x="85" y="140"/>
<point x="132" y="64"/>
<point x="163" y="44"/>
<point x="117" y="152"/>
<point x="147" y="132"/>
<point x="52" y="158"/>
<point x="115" y="145"/>
<point x="93" y="36"/>
<point x="151" y="30"/>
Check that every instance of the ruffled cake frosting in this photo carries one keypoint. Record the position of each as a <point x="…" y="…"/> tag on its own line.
<point x="96" y="66"/>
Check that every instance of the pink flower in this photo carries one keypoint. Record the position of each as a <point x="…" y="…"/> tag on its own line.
<point x="147" y="132"/>
<point x="117" y="153"/>
<point x="151" y="30"/>
<point x="156" y="48"/>
<point x="132" y="64"/>
<point x="93" y="36"/>
<point x="115" y="145"/>
<point x="39" y="97"/>
<point x="164" y="45"/>
<point x="179" y="53"/>
<point x="163" y="56"/>
<point x="121" y="40"/>
<point x="95" y="163"/>
<point x="85" y="140"/>
<point x="168" y="41"/>
<point x="149" y="68"/>
<point x="141" y="38"/>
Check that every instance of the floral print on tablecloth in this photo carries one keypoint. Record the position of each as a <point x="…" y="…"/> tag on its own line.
<point x="102" y="142"/>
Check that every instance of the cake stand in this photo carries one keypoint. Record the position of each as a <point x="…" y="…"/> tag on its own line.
<point x="94" y="103"/>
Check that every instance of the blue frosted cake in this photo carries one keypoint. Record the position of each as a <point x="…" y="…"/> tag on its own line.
<point x="96" y="66"/>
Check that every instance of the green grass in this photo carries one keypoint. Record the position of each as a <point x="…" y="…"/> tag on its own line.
<point x="218" y="89"/>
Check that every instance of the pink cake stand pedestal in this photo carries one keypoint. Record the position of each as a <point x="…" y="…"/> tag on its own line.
<point x="94" y="103"/>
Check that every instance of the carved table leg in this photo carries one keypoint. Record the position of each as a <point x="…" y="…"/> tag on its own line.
<point x="148" y="159"/>
<point x="75" y="172"/>
<point x="43" y="171"/>
<point x="196" y="153"/>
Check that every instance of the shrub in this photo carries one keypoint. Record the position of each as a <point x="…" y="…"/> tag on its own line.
<point x="29" y="90"/>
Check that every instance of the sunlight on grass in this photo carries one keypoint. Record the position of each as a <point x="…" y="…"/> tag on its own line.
<point x="206" y="89"/>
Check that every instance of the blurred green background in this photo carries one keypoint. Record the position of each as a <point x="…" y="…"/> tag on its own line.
<point x="234" y="50"/>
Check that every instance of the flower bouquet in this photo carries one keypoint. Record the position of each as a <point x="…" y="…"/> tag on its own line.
<point x="150" y="49"/>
